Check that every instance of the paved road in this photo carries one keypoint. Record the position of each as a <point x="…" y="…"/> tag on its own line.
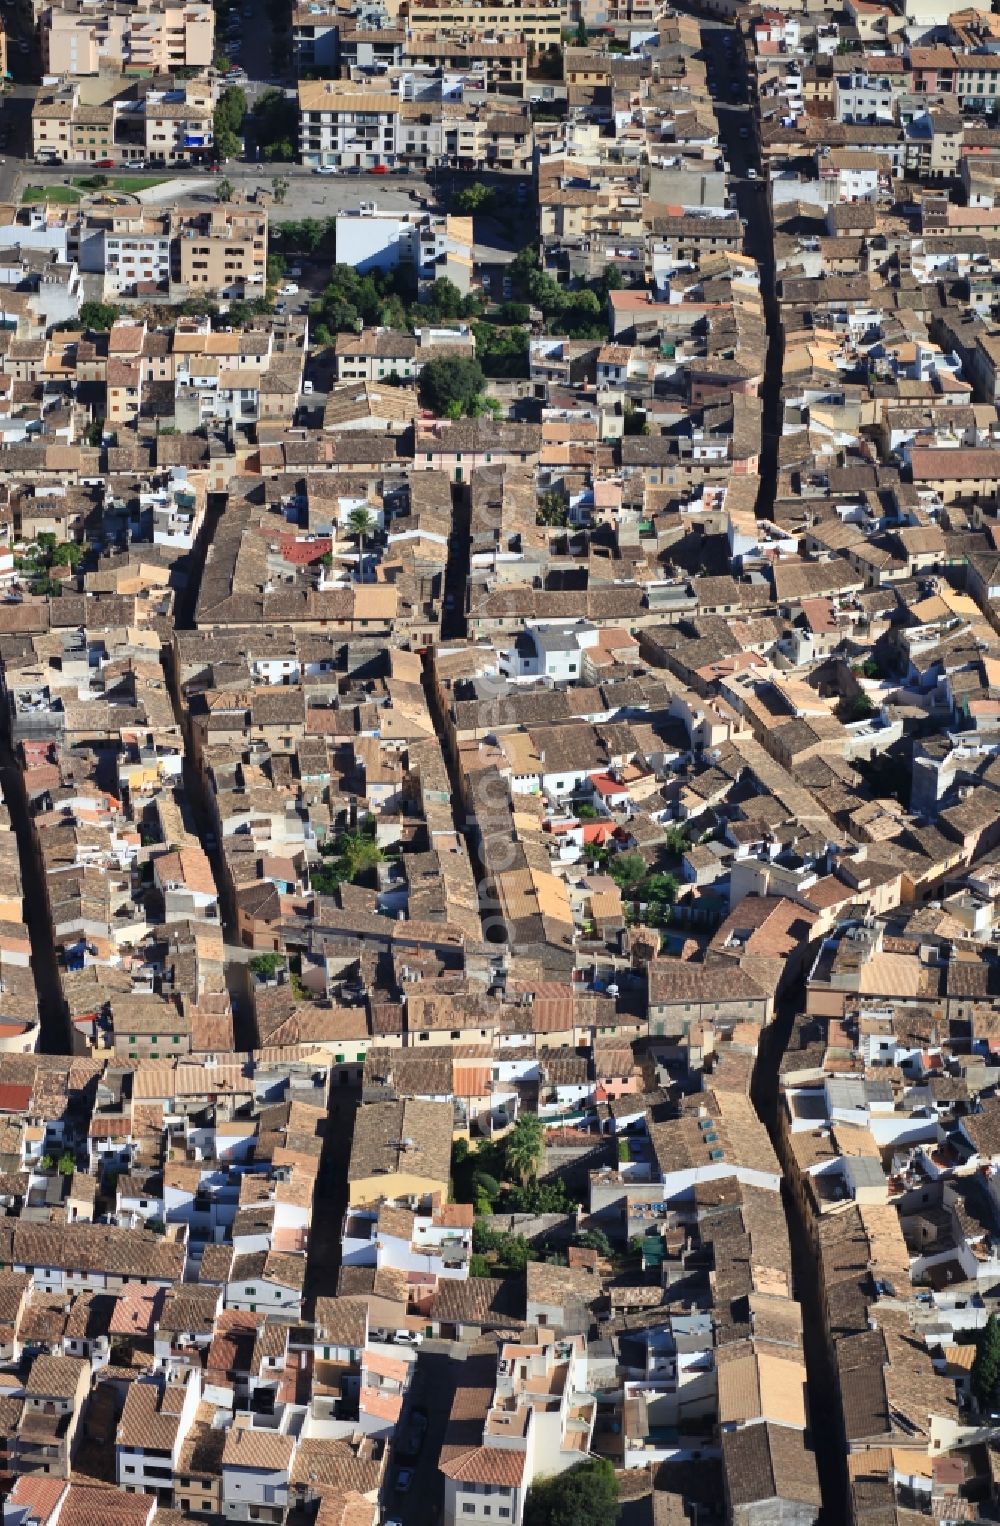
<point x="44" y="966"/>
<point x="438" y="1367"/>
<point x="737" y="130"/>
<point x="736" y="127"/>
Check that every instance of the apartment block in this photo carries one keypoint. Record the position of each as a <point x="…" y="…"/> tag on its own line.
<point x="222" y="249"/>
<point x="76" y="40"/>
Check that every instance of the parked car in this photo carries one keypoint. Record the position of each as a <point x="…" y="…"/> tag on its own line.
<point x="354" y="169"/>
<point x="379" y="169"/>
<point x="326" y="169"/>
<point x="404" y="1478"/>
<point x="105" y="164"/>
<point x="413" y="1436"/>
<point x="289" y="289"/>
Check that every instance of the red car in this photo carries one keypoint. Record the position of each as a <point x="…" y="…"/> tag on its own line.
<point x="105" y="164"/>
<point x="379" y="169"/>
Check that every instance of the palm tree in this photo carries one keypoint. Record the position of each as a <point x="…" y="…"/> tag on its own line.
<point x="524" y="1147"/>
<point x="225" y="190"/>
<point x="360" y="523"/>
<point x="279" y="188"/>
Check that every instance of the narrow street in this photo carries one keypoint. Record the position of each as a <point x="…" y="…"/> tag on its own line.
<point x="736" y="128"/>
<point x="330" y="1202"/>
<point x="55" y="1038"/>
<point x="825" y="1419"/>
<point x="738" y="134"/>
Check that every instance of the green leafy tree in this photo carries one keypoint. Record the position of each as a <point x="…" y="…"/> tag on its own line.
<point x="628" y="870"/>
<point x="69" y="554"/>
<point x="611" y="280"/>
<point x="552" y="509"/>
<point x="503" y="352"/>
<point x="265" y="966"/>
<point x="545" y="292"/>
<point x="279" y="188"/>
<point x="578" y="1497"/>
<point x="523" y="263"/>
<point x="225" y="190"/>
<point x="444" y="300"/>
<point x="595" y="1239"/>
<point x="354" y="854"/>
<point x="859" y="708"/>
<point x="677" y="840"/>
<point x="231" y="110"/>
<point x="538" y="1197"/>
<point x="473" y="199"/>
<point x="227" y="144"/>
<point x="360" y="524"/>
<point x="98" y="315"/>
<point x="580" y="39"/>
<point x="479" y="1266"/>
<point x="514" y="1253"/>
<point x="986" y="1367"/>
<point x="450" y="382"/>
<point x="276" y="125"/>
<point x="524" y="1147"/>
<point x="634" y="419"/>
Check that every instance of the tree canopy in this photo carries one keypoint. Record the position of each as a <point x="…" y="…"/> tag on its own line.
<point x="579" y="1497"/>
<point x="986" y="1367"/>
<point x="451" y="383"/>
<point x="98" y="315"/>
<point x="524" y="1147"/>
<point x="473" y="198"/>
<point x="276" y="125"/>
<point x="228" y="121"/>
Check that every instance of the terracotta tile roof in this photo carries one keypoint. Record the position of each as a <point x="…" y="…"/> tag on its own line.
<point x="55" y="1377"/>
<point x="37" y="1495"/>
<point x="769" y="1462"/>
<point x="93" y="1505"/>
<point x="266" y="1451"/>
<point x="484" y="1465"/>
<point x="322" y="1463"/>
